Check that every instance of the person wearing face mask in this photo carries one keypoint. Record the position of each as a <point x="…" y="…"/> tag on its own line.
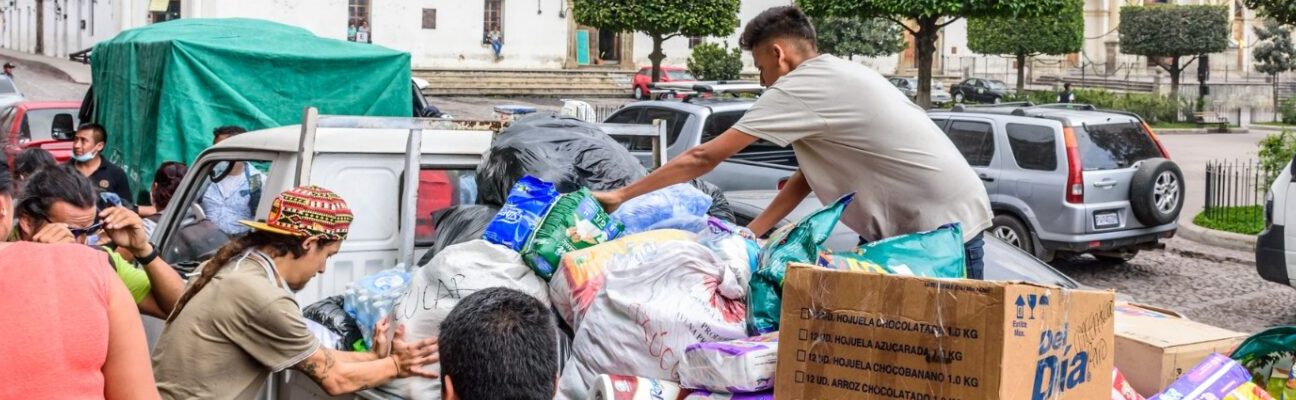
<point x="852" y="133"/>
<point x="238" y="322"/>
<point x="87" y="156"/>
<point x="234" y="196"/>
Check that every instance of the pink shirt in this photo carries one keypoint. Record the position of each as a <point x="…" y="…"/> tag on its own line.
<point x="53" y="320"/>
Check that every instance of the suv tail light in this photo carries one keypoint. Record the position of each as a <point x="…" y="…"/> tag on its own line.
<point x="1075" y="171"/>
<point x="1164" y="154"/>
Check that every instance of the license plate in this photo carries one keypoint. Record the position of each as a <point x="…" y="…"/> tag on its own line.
<point x="1106" y="219"/>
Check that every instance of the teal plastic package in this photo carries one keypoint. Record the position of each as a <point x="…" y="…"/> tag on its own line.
<point x="801" y="243"/>
<point x="933" y="254"/>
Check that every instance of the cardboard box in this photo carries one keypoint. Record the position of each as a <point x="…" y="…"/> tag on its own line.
<point x="1153" y="348"/>
<point x="857" y="335"/>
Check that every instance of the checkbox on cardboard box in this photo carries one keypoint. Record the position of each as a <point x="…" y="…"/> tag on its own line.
<point x="805" y="313"/>
<point x="803" y="335"/>
<point x="800" y="377"/>
<point x="801" y="355"/>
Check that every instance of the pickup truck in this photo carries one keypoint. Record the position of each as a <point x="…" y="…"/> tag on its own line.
<point x="689" y="123"/>
<point x="395" y="173"/>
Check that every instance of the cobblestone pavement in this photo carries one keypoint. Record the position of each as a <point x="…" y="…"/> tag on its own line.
<point x="1207" y="284"/>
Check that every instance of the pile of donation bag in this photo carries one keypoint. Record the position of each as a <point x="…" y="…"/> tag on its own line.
<point x="668" y="298"/>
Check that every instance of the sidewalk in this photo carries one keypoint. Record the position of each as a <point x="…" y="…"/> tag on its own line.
<point x="60" y="67"/>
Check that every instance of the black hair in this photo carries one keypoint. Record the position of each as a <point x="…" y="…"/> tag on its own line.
<point x="32" y="160"/>
<point x="167" y="178"/>
<point x="52" y="185"/>
<point x="230" y="130"/>
<point x="500" y="343"/>
<point x="101" y="134"/>
<point x="778" y="22"/>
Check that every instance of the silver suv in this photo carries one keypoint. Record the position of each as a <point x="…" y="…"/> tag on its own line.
<point x="1070" y="179"/>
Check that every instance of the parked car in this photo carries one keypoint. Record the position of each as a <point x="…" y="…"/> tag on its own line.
<point x="643" y="79"/>
<point x="9" y="93"/>
<point x="909" y="86"/>
<point x="980" y="90"/>
<point x="1003" y="262"/>
<point x="30" y="124"/>
<point x="763" y="165"/>
<point x="1275" y="261"/>
<point x="1070" y="181"/>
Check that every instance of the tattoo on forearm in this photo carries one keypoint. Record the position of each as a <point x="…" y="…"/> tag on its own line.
<point x="316" y="371"/>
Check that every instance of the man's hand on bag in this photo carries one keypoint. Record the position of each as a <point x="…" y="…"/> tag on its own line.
<point x="411" y="357"/>
<point x="610" y="200"/>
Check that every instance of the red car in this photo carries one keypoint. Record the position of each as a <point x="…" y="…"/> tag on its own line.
<point x="30" y="124"/>
<point x="668" y="74"/>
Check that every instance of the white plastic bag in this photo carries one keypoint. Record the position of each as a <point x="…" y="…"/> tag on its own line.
<point x="580" y="276"/>
<point x="647" y="314"/>
<point x="737" y="366"/>
<point x="456" y="272"/>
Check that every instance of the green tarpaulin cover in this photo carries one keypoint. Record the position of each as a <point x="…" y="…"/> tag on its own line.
<point x="160" y="90"/>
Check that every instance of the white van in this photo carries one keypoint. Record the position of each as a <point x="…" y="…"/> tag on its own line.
<point x="1276" y="246"/>
<point x="370" y="162"/>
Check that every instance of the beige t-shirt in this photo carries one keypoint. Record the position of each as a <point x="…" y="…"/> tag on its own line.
<point x="231" y="336"/>
<point x="854" y="132"/>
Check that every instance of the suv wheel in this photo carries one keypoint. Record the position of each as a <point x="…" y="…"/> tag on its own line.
<point x="1012" y="231"/>
<point x="1156" y="192"/>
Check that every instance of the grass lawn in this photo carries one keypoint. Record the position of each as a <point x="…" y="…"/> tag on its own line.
<point x="1244" y="220"/>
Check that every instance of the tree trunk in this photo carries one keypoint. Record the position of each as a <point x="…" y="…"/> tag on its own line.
<point x="925" y="39"/>
<point x="656" y="57"/>
<point x="1175" y="71"/>
<point x="1021" y="74"/>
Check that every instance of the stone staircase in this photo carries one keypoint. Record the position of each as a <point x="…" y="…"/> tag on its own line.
<point x="582" y="83"/>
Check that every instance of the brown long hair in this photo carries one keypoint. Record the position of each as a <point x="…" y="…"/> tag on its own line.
<point x="273" y="244"/>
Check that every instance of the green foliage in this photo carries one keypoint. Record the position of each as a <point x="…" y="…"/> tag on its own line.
<point x="929" y="8"/>
<point x="1173" y="31"/>
<point x="1275" y="152"/>
<point x="1055" y="33"/>
<point x="1274" y="53"/>
<point x="1153" y="108"/>
<point x="710" y="62"/>
<point x="853" y="36"/>
<point x="1288" y="111"/>
<point x="659" y="19"/>
<point x="1283" y="11"/>
<point x="1248" y="220"/>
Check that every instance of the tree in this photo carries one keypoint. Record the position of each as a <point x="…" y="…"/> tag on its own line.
<point x="853" y="36"/>
<point x="928" y="16"/>
<point x="660" y="20"/>
<point x="710" y="62"/>
<point x="1169" y="31"/>
<point x="1274" y="53"/>
<point x="1282" y="11"/>
<point x="1054" y="34"/>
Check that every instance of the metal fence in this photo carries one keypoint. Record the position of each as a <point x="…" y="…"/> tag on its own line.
<point x="1235" y="191"/>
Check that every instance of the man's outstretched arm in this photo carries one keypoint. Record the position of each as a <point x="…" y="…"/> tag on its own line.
<point x="695" y="162"/>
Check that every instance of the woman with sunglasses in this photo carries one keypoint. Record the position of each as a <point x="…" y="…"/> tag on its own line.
<point x="73" y="330"/>
<point x="60" y="205"/>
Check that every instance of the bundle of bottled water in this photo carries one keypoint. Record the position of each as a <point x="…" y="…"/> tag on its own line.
<point x="372" y="298"/>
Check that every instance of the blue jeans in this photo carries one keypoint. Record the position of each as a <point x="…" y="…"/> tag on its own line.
<point x="973" y="256"/>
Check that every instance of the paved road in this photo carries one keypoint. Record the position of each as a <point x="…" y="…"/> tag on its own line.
<point x="1192" y="151"/>
<point x="43" y="87"/>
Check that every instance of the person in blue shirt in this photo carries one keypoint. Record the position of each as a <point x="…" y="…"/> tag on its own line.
<point x="233" y="198"/>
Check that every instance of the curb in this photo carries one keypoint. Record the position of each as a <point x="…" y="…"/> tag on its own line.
<point x="1200" y="131"/>
<point x="1211" y="237"/>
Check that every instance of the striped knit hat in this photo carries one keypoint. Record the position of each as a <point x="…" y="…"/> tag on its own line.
<point x="307" y="211"/>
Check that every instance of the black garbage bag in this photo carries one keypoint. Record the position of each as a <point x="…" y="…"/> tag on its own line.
<point x="458" y="224"/>
<point x="329" y="313"/>
<point x="719" y="204"/>
<point x="566" y="151"/>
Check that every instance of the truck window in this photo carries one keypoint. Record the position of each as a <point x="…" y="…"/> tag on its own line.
<point x="674" y="123"/>
<point x="1114" y="146"/>
<point x="1034" y="147"/>
<point x="439" y="189"/>
<point x="974" y="139"/>
<point x="718" y="123"/>
<point x="213" y="208"/>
